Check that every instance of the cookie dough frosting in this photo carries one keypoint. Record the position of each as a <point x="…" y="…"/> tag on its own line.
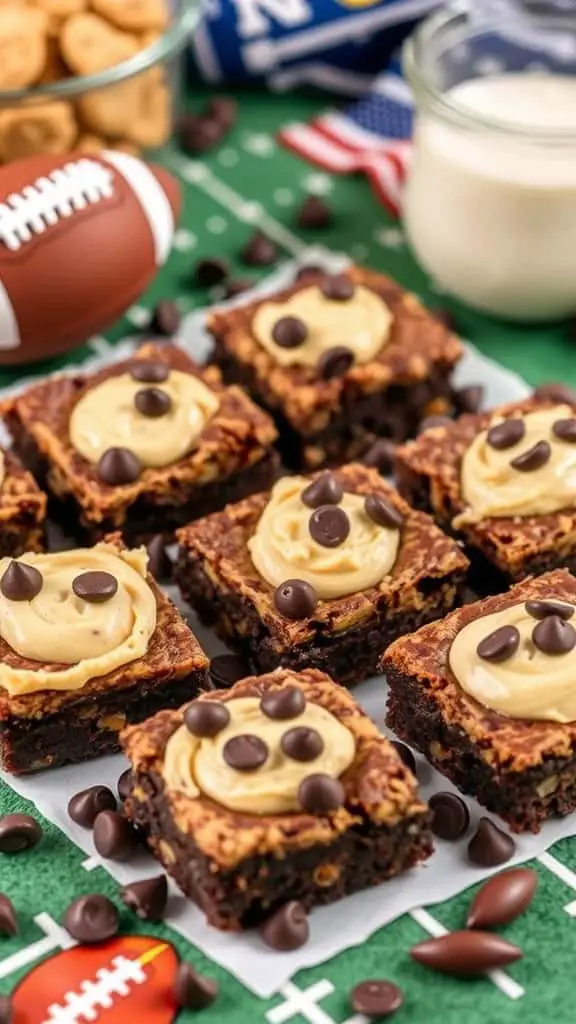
<point x="197" y="766"/>
<point x="493" y="486"/>
<point x="82" y="638"/>
<point x="108" y="416"/>
<point x="362" y="324"/>
<point x="282" y="546"/>
<point x="528" y="683"/>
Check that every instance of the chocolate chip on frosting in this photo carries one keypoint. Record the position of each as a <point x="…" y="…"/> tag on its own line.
<point x="95" y="587"/>
<point x="554" y="636"/>
<point x="534" y="458"/>
<point x="541" y="609"/>
<point x="245" y="753"/>
<point x="295" y="599"/>
<point x="282" y="705"/>
<point x="329" y="526"/>
<point x="499" y="645"/>
<point x="565" y="430"/>
<point x="302" y="743"/>
<point x="118" y="466"/>
<point x="383" y="512"/>
<point x="289" y="332"/>
<point x="21" y="582"/>
<point x="320" y="794"/>
<point x="206" y="718"/>
<point x="506" y="435"/>
<point x="337" y="287"/>
<point x="152" y="402"/>
<point x="325" y="490"/>
<point x="148" y="371"/>
<point x="335" y="362"/>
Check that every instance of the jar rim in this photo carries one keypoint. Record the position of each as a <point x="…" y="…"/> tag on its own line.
<point x="167" y="45"/>
<point x="450" y="109"/>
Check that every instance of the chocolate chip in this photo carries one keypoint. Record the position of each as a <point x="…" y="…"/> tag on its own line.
<point x="405" y="755"/>
<point x="295" y="599"/>
<point x="506" y="434"/>
<point x="199" y="133"/>
<point x="565" y="430"/>
<point x="289" y="332"/>
<point x="148" y="371"/>
<point x="337" y="287"/>
<point x="554" y="636"/>
<point x="302" y="743"/>
<point x="193" y="991"/>
<point x="541" y="609"/>
<point x="465" y="953"/>
<point x="147" y="898"/>
<point x="119" y="466"/>
<point x="376" y="999"/>
<point x="206" y="718"/>
<point x="224" y="109"/>
<point x="534" y="458"/>
<point x="430" y="422"/>
<point x="227" y="669"/>
<point x="21" y="582"/>
<point x="502" y="898"/>
<point x="382" y="512"/>
<point x="335" y="362"/>
<point x="450" y="816"/>
<point x="314" y="213"/>
<point x="159" y="564"/>
<point x="329" y="526"/>
<point x="287" y="928"/>
<point x="307" y="270"/>
<point x="555" y="391"/>
<point x="245" y="753"/>
<point x="259" y="251"/>
<point x="86" y="805"/>
<point x="8" y="918"/>
<point x="152" y="402"/>
<point x="91" y="919"/>
<point x="18" y="832"/>
<point x="237" y="286"/>
<point x="211" y="271"/>
<point x="165" y="319"/>
<point x="325" y="490"/>
<point x="282" y="705"/>
<point x="499" y="645"/>
<point x="319" y="794"/>
<point x="95" y="587"/>
<point x="490" y="846"/>
<point x="469" y="399"/>
<point x="6" y="1015"/>
<point x="381" y="455"/>
<point x="124" y="784"/>
<point x="114" y="836"/>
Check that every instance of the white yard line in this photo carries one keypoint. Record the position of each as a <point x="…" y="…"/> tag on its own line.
<point x="565" y="874"/>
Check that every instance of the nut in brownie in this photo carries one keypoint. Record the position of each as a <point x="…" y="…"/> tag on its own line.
<point x="22" y="508"/>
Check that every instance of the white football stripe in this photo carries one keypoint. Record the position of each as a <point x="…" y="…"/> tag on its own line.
<point x="151" y="197"/>
<point x="9" y="333"/>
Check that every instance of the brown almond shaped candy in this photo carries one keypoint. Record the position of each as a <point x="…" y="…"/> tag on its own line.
<point x="124" y="784"/>
<point x="91" y="919"/>
<point x="289" y="332"/>
<point x="469" y="399"/>
<point x="465" y="954"/>
<point x="302" y="743"/>
<point x="224" y="109"/>
<point x="193" y="991"/>
<point x="335" y="362"/>
<point x="245" y="753"/>
<point x="118" y="466"/>
<point x="114" y="836"/>
<point x="6" y="1015"/>
<point x="206" y="718"/>
<point x="431" y="422"/>
<point x="95" y="587"/>
<point x="329" y="526"/>
<point x="8" y="918"/>
<point x="376" y="999"/>
<point x="86" y="805"/>
<point x="200" y="133"/>
<point x="211" y="271"/>
<point x="565" y="430"/>
<point x="506" y="434"/>
<point x="502" y="898"/>
<point x="541" y="609"/>
<point x="149" y="371"/>
<point x="165" y="320"/>
<point x="227" y="669"/>
<point x="147" y="898"/>
<point x="152" y="402"/>
<point x="383" y="512"/>
<point x="259" y="251"/>
<point x="499" y="645"/>
<point x="325" y="490"/>
<point x="532" y="459"/>
<point x="320" y="794"/>
<point x="18" y="832"/>
<point x="381" y="456"/>
<point x="450" y="816"/>
<point x="337" y="287"/>
<point x="405" y="755"/>
<point x="314" y="213"/>
<point x="554" y="636"/>
<point x="283" y="705"/>
<point x="490" y="846"/>
<point x="21" y="582"/>
<point x="555" y="391"/>
<point x="159" y="564"/>
<point x="295" y="599"/>
<point x="287" y="928"/>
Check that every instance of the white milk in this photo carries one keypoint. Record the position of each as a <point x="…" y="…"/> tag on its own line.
<point x="493" y="216"/>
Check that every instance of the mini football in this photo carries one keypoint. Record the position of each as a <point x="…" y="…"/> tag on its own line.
<point x="130" y="978"/>
<point x="81" y="238"/>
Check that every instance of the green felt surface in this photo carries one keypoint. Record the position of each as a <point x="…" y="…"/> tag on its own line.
<point x="250" y="168"/>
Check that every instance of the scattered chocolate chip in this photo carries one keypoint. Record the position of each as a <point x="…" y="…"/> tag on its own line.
<point x="381" y="455"/>
<point x="534" y="458"/>
<point x="329" y="526"/>
<point x="302" y="743"/>
<point x="227" y="669"/>
<point x="91" y="919"/>
<point x="325" y="490"/>
<point x="469" y="399"/>
<point x="199" y="133"/>
<point x="18" y="832"/>
<point x="307" y="269"/>
<point x="147" y="898"/>
<point x="224" y="109"/>
<point x="565" y="430"/>
<point x="159" y="564"/>
<point x="382" y="512"/>
<point x="450" y="816"/>
<point x="86" y="805"/>
<point x="314" y="213"/>
<point x="319" y="794"/>
<point x="465" y="953"/>
<point x="118" y="466"/>
<point x="541" y="609"/>
<point x="287" y="928"/>
<point x="95" y="587"/>
<point x="124" y="784"/>
<point x="295" y="599"/>
<point x="554" y="635"/>
<point x="193" y="991"/>
<point x="211" y="271"/>
<point x="282" y="705"/>
<point x="405" y="755"/>
<point x="499" y="645"/>
<point x="335" y="362"/>
<point x="555" y="391"/>
<point x="445" y="317"/>
<point x="259" y="251"/>
<point x="206" y="718"/>
<point x="506" y="434"/>
<point x="376" y="999"/>
<point x="147" y="371"/>
<point x="490" y="846"/>
<point x="289" y="332"/>
<point x="165" y="319"/>
<point x="337" y="287"/>
<point x="6" y="1016"/>
<point x="21" y="582"/>
<point x="245" y="753"/>
<point x="430" y="422"/>
<point x="502" y="898"/>
<point x="8" y="918"/>
<point x="114" y="836"/>
<point x="152" y="402"/>
<point x="237" y="286"/>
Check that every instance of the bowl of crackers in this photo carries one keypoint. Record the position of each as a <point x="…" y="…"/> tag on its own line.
<point x="90" y="74"/>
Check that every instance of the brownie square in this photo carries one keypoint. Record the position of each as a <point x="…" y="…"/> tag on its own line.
<point x="343" y="636"/>
<point x="522" y="768"/>
<point x="331" y="412"/>
<point x="503" y="548"/>
<point x="239" y="866"/>
<point x="232" y="456"/>
<point x="48" y="727"/>
<point x="22" y="508"/>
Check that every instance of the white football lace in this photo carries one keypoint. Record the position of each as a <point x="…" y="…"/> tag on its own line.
<point x="28" y="213"/>
<point x="93" y="996"/>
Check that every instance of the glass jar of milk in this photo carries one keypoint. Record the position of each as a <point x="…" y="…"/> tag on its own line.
<point x="490" y="204"/>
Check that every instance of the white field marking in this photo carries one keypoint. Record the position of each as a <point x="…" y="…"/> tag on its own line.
<point x="184" y="240"/>
<point x="55" y="938"/>
<point x="98" y="345"/>
<point x="359" y="252"/>
<point x="216" y="225"/>
<point x="228" y="157"/>
<point x="305" y="1003"/>
<point x="138" y="316"/>
<point x="563" y="873"/>
<point x="283" y="196"/>
<point x="507" y="985"/>
<point x="258" y="144"/>
<point x="390" y="238"/>
<point x="318" y="184"/>
<point x="90" y="864"/>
